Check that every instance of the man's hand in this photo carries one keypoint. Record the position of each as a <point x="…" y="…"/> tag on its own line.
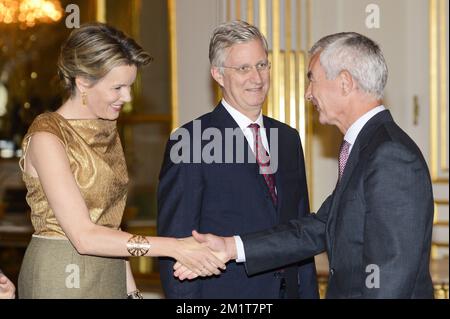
<point x="7" y="289"/>
<point x="197" y="257"/>
<point x="223" y="247"/>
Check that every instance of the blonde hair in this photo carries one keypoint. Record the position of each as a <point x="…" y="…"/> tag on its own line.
<point x="93" y="50"/>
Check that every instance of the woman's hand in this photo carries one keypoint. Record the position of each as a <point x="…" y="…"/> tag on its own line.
<point x="197" y="257"/>
<point x="7" y="289"/>
<point x="223" y="248"/>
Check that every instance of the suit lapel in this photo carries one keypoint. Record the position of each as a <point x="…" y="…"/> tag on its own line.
<point x="222" y="120"/>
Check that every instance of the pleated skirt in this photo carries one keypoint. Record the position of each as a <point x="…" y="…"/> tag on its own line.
<point x="53" y="269"/>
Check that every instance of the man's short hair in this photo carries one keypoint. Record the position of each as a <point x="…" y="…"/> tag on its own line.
<point x="357" y="54"/>
<point x="228" y="34"/>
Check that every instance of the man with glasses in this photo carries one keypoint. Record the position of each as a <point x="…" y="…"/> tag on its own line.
<point x="225" y="195"/>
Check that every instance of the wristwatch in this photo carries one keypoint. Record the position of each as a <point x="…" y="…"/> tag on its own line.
<point x="135" y="295"/>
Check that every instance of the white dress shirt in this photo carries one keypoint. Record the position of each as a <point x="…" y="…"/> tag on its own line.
<point x="350" y="136"/>
<point x="356" y="127"/>
<point x="243" y="122"/>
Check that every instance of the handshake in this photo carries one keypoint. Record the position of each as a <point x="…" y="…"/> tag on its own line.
<point x="203" y="255"/>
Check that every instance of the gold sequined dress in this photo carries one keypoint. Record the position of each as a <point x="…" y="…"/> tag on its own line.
<point x="52" y="268"/>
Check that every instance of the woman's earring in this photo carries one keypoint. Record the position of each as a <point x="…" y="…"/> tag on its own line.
<point x="84" y="98"/>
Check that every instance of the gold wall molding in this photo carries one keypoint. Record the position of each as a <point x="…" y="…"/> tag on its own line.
<point x="440" y="222"/>
<point x="101" y="11"/>
<point x="438" y="91"/>
<point x="173" y="62"/>
<point x="438" y="15"/>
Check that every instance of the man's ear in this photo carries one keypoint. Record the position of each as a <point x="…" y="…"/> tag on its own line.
<point x="82" y="84"/>
<point x="347" y="83"/>
<point x="217" y="75"/>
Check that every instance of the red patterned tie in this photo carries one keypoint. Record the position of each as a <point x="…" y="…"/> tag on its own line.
<point x="263" y="160"/>
<point x="343" y="157"/>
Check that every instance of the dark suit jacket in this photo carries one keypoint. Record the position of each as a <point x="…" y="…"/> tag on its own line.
<point x="379" y="215"/>
<point x="228" y="199"/>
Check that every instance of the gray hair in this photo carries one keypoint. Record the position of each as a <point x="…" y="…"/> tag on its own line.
<point x="357" y="54"/>
<point x="228" y="34"/>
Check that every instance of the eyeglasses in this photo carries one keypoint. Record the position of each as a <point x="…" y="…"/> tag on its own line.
<point x="246" y="69"/>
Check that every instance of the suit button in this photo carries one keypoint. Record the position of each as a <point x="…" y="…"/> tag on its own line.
<point x="331" y="271"/>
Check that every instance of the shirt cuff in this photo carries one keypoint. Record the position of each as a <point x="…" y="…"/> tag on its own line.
<point x="240" y="249"/>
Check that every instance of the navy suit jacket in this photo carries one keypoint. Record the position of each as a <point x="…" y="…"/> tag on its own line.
<point x="232" y="198"/>
<point x="376" y="226"/>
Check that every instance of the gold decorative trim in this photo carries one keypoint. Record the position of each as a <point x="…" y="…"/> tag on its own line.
<point x="250" y="11"/>
<point x="299" y="28"/>
<point x="173" y="62"/>
<point x="301" y="100"/>
<point x="237" y="7"/>
<point x="276" y="59"/>
<point x="436" y="220"/>
<point x="136" y="7"/>
<point x="281" y="80"/>
<point x="438" y="223"/>
<point x="438" y="97"/>
<point x="308" y="23"/>
<point x="309" y="125"/>
<point x="263" y="17"/>
<point x="433" y="86"/>
<point x="267" y="107"/>
<point x="101" y="11"/>
<point x="442" y="223"/>
<point x="440" y="244"/>
<point x="443" y="81"/>
<point x="294" y="92"/>
<point x="287" y="108"/>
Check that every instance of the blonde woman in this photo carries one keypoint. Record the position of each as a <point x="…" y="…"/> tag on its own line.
<point x="75" y="172"/>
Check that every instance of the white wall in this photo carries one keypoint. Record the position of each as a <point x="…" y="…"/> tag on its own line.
<point x="195" y="21"/>
<point x="403" y="37"/>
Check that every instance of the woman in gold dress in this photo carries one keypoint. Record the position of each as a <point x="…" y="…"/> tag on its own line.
<point x="75" y="173"/>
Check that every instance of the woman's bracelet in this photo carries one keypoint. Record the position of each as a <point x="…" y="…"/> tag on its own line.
<point x="138" y="245"/>
<point x="135" y="295"/>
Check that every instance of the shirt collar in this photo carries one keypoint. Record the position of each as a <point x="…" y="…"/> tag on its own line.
<point x="357" y="126"/>
<point x="242" y="120"/>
